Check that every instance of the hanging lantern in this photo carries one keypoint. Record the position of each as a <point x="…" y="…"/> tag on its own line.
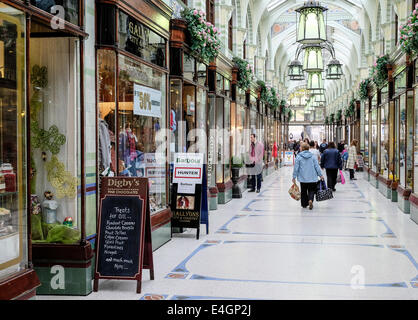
<point x="311" y="24"/>
<point x="315" y="81"/>
<point x="313" y="58"/>
<point x="320" y="98"/>
<point x="334" y="70"/>
<point x="296" y="70"/>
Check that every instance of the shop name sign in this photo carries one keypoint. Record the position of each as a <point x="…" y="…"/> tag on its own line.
<point x="147" y="101"/>
<point x="188" y="167"/>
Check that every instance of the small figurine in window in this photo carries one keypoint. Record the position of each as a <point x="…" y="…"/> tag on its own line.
<point x="49" y="212"/>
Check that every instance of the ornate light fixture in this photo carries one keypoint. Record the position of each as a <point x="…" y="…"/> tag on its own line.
<point x="315" y="81"/>
<point x="313" y="58"/>
<point x="334" y="70"/>
<point x="311" y="25"/>
<point x="296" y="70"/>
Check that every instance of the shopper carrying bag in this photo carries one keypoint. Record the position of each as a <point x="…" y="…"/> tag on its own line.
<point x="307" y="171"/>
<point x="323" y="193"/>
<point x="294" y="192"/>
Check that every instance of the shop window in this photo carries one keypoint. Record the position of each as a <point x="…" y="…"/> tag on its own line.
<point x="13" y="179"/>
<point x="175" y="116"/>
<point x="220" y="156"/>
<point x="66" y="8"/>
<point x="55" y="137"/>
<point x="227" y="140"/>
<point x="189" y="67"/>
<point x="366" y="136"/>
<point x="384" y="141"/>
<point x="137" y="39"/>
<point x="189" y="115"/>
<point x="212" y="141"/>
<point x="201" y="108"/>
<point x="415" y="189"/>
<point x="138" y="146"/>
<point x="402" y="142"/>
<point x="409" y="136"/>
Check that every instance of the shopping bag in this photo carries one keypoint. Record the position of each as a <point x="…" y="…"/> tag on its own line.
<point x="294" y="192"/>
<point x="323" y="193"/>
<point x="339" y="177"/>
<point x="342" y="177"/>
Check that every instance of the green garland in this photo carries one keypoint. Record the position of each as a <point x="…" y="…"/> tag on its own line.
<point x="245" y="73"/>
<point x="379" y="71"/>
<point x="204" y="35"/>
<point x="363" y="91"/>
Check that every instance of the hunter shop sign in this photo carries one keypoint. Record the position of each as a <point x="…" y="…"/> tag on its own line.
<point x="188" y="167"/>
<point x="147" y="101"/>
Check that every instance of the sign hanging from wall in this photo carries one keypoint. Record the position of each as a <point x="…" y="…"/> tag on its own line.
<point x="147" y="101"/>
<point x="124" y="245"/>
<point x="288" y="158"/>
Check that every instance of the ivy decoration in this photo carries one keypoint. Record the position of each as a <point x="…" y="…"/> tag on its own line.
<point x="326" y="120"/>
<point x="409" y="33"/>
<point x="64" y="183"/>
<point x="332" y="118"/>
<point x="51" y="140"/>
<point x="39" y="77"/>
<point x="363" y="91"/>
<point x="274" y="99"/>
<point x="245" y="73"/>
<point x="204" y="35"/>
<point x="379" y="71"/>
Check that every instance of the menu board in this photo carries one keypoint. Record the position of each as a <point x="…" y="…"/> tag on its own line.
<point x="124" y="245"/>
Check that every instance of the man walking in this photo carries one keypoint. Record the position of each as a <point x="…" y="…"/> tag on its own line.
<point x="323" y="146"/>
<point x="256" y="158"/>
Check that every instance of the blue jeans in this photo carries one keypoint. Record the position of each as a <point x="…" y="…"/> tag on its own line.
<point x="256" y="181"/>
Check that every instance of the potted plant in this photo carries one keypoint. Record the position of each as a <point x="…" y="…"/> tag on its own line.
<point x="245" y="73"/>
<point x="236" y="164"/>
<point x="408" y="34"/>
<point x="363" y="91"/>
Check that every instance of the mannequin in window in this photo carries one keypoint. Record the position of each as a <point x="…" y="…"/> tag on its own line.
<point x="104" y="146"/>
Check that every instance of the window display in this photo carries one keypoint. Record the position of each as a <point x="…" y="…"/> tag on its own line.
<point x="55" y="138"/>
<point x="140" y="154"/>
<point x="409" y="139"/>
<point x="69" y="8"/>
<point x="415" y="186"/>
<point x="13" y="204"/>
<point x="134" y="149"/>
<point x="366" y="136"/>
<point x="374" y="140"/>
<point x="402" y="142"/>
<point x="384" y="147"/>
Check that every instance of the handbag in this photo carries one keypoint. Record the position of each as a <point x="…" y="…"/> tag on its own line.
<point x="295" y="192"/>
<point x="339" y="179"/>
<point x="323" y="193"/>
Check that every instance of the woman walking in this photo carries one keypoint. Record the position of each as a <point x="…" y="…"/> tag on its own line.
<point x="331" y="161"/>
<point x="352" y="158"/>
<point x="307" y="171"/>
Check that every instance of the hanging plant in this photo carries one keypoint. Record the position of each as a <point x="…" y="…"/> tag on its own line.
<point x="363" y="91"/>
<point x="274" y="99"/>
<point x="409" y="33"/>
<point x="326" y="120"/>
<point x="204" y="35"/>
<point x="264" y="92"/>
<point x="332" y="118"/>
<point x="339" y="115"/>
<point x="290" y="114"/>
<point x="379" y="71"/>
<point x="245" y="73"/>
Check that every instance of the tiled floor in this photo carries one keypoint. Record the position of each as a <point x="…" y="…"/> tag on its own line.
<point x="265" y="246"/>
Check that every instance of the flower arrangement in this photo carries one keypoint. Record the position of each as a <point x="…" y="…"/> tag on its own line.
<point x="379" y="71"/>
<point x="204" y="35"/>
<point x="363" y="91"/>
<point x="245" y="73"/>
<point x="408" y="33"/>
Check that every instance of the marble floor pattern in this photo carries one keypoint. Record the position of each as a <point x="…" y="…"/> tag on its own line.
<point x="358" y="245"/>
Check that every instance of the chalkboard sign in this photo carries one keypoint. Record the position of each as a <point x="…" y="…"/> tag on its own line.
<point x="124" y="230"/>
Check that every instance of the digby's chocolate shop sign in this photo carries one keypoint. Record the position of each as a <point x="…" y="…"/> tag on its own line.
<point x="124" y="231"/>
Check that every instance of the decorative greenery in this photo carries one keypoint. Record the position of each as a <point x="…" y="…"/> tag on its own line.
<point x="331" y="118"/>
<point x="326" y="120"/>
<point x="204" y="36"/>
<point x="409" y="33"/>
<point x="290" y="114"/>
<point x="379" y="71"/>
<point x="245" y="73"/>
<point x="363" y="91"/>
<point x="339" y="115"/>
<point x="237" y="162"/>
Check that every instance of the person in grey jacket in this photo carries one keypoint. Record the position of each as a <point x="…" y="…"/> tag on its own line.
<point x="307" y="171"/>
